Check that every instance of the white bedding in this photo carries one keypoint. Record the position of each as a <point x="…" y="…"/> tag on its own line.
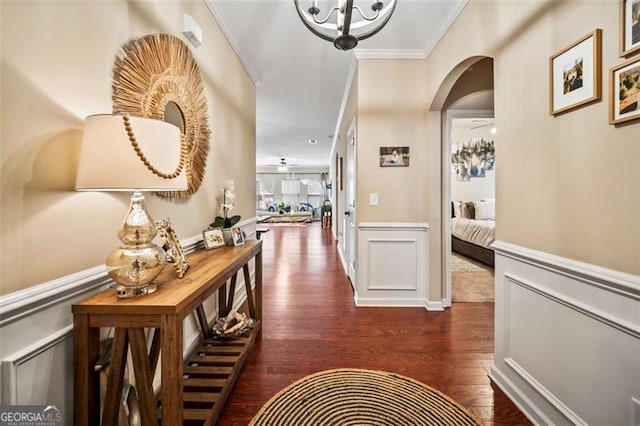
<point x="479" y="232"/>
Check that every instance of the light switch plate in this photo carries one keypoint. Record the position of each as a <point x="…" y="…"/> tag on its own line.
<point x="373" y="199"/>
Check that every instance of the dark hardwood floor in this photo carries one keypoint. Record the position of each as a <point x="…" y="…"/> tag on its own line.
<point x="310" y="323"/>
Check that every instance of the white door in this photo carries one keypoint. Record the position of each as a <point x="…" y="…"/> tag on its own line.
<point x="350" y="209"/>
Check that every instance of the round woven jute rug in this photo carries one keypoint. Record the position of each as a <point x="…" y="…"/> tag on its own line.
<point x="361" y="397"/>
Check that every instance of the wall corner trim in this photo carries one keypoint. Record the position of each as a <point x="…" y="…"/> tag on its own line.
<point x="218" y="14"/>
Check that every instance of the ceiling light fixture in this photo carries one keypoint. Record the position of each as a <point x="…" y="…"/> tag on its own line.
<point x="339" y="28"/>
<point x="282" y="167"/>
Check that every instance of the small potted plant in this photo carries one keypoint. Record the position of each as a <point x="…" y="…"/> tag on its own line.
<point x="224" y="221"/>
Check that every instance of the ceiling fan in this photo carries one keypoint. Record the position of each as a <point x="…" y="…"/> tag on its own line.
<point x="282" y="167"/>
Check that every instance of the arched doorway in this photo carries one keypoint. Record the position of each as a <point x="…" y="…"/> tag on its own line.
<point x="466" y="91"/>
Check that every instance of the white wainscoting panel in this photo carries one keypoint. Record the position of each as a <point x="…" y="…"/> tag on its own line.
<point x="392" y="264"/>
<point x="567" y="342"/>
<point x="36" y="332"/>
<point x="50" y="359"/>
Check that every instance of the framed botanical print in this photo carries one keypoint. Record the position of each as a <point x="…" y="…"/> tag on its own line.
<point x="213" y="238"/>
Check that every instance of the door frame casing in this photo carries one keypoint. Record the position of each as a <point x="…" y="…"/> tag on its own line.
<point x="351" y="231"/>
<point x="448" y="117"/>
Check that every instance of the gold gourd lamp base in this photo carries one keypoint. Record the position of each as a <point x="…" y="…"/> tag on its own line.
<point x="138" y="261"/>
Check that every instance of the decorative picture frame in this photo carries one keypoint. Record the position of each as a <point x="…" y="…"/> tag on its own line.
<point x="394" y="156"/>
<point x="473" y="159"/>
<point x="575" y="74"/>
<point x="213" y="238"/>
<point x="629" y="27"/>
<point x="172" y="247"/>
<point x="238" y="236"/>
<point x="624" y="102"/>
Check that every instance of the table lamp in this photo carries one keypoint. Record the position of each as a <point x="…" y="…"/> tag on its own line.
<point x="126" y="153"/>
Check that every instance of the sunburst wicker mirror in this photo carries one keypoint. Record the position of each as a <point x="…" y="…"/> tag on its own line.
<point x="156" y="76"/>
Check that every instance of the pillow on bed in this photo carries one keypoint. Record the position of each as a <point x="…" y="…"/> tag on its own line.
<point x="485" y="210"/>
<point x="467" y="210"/>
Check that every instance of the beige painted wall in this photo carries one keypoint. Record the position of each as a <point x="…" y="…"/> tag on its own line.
<point x="391" y="107"/>
<point x="55" y="71"/>
<point x="566" y="185"/>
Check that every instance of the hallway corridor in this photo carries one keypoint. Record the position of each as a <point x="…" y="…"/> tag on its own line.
<point x="310" y="323"/>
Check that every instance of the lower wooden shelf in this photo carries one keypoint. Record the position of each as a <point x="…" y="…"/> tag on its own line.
<point x="209" y="376"/>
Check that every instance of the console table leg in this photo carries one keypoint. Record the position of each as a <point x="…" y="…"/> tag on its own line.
<point x="172" y="369"/>
<point x="258" y="291"/>
<point x="86" y="350"/>
<point x="113" y="394"/>
<point x="154" y="352"/>
<point x="247" y="286"/>
<point x="202" y="319"/>
<point x="142" y="371"/>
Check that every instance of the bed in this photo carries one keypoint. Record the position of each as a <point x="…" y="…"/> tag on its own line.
<point x="473" y="230"/>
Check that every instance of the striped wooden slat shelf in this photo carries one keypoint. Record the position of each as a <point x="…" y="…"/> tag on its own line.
<point x="208" y="379"/>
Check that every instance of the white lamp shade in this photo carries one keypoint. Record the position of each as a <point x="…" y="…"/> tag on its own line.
<point x="108" y="161"/>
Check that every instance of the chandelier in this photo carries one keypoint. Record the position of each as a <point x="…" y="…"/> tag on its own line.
<point x="346" y="23"/>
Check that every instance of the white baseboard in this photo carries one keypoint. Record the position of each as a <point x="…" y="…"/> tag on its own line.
<point x="390" y="302"/>
<point x="520" y="400"/>
<point x="432" y="305"/>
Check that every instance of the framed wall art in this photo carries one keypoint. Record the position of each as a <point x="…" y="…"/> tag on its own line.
<point x="213" y="238"/>
<point x="624" y="104"/>
<point x="629" y="27"/>
<point x="575" y="74"/>
<point x="394" y="156"/>
<point x="238" y="236"/>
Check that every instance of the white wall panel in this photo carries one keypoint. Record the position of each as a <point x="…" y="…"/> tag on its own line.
<point x="567" y="338"/>
<point x="392" y="264"/>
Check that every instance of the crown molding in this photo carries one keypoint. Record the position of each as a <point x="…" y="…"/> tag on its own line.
<point x="218" y="14"/>
<point x="456" y="8"/>
<point x="458" y="5"/>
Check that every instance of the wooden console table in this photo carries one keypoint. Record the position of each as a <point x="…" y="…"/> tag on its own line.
<point x="192" y="390"/>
